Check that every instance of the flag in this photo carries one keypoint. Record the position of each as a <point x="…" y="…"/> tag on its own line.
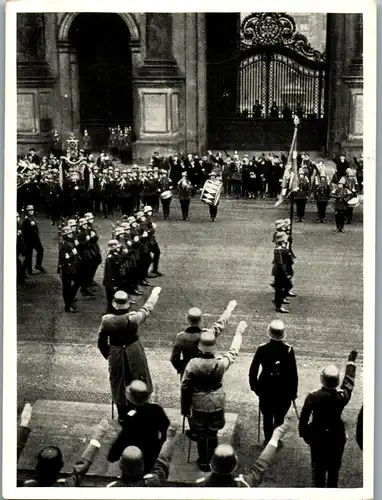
<point x="289" y="180"/>
<point x="61" y="174"/>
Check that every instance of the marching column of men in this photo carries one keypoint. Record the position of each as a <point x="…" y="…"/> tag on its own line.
<point x="131" y="251"/>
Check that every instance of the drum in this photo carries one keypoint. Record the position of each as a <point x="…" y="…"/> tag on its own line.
<point x="211" y="192"/>
<point x="166" y="194"/>
<point x="354" y="202"/>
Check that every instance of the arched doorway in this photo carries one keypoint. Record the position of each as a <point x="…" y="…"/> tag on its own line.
<point x="101" y="45"/>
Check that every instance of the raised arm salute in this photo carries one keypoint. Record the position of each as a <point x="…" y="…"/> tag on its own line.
<point x="119" y="343"/>
<point x="186" y="342"/>
<point x="321" y="425"/>
<point x="202" y="394"/>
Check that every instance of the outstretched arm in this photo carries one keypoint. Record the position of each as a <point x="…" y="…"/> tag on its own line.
<point x="24" y="429"/>
<point x="230" y="356"/>
<point x="143" y="313"/>
<point x="221" y="323"/>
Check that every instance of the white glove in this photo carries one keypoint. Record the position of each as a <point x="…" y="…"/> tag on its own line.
<point x="74" y="251"/>
<point x="33" y="223"/>
<point x="92" y="234"/>
<point x="154" y="225"/>
<point x="136" y="239"/>
<point x="232" y="305"/>
<point x="87" y="238"/>
<point x="76" y="242"/>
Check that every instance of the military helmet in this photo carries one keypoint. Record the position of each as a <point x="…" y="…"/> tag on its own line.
<point x="66" y="230"/>
<point x="147" y="209"/>
<point x="330" y="377"/>
<point x="131" y="462"/>
<point x="224" y="460"/>
<point x="82" y="221"/>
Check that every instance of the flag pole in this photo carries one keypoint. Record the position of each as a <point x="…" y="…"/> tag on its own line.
<point x="291" y="153"/>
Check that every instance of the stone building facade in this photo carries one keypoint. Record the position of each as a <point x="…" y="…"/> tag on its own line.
<point x="167" y="80"/>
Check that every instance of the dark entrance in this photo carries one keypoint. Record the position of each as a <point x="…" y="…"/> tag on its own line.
<point x="260" y="78"/>
<point x="104" y="68"/>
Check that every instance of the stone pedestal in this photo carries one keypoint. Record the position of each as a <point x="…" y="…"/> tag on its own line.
<point x="157" y="118"/>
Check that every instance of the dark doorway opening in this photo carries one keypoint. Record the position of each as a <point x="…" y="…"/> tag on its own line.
<point x="104" y="72"/>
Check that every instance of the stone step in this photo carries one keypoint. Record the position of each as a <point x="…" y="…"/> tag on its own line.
<point x="70" y="424"/>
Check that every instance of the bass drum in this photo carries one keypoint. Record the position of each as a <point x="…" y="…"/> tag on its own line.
<point x="166" y="195"/>
<point x="354" y="202"/>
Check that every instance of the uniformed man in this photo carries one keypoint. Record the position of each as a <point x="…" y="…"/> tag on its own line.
<point x="86" y="143"/>
<point x="133" y="468"/>
<point x="69" y="262"/>
<point x="276" y="387"/>
<point x="202" y="394"/>
<point x="20" y="250"/>
<point x="224" y="463"/>
<point x="187" y="341"/>
<point x="165" y="186"/>
<point x="145" y="426"/>
<point x="95" y="250"/>
<point x="321" y="425"/>
<point x="185" y="193"/>
<point x="351" y="184"/>
<point x="144" y="250"/>
<point x="112" y="276"/>
<point x="84" y="248"/>
<point x="50" y="463"/>
<point x="32" y="241"/>
<point x="341" y="195"/>
<point x="118" y="341"/>
<point x="301" y="195"/>
<point x="321" y="194"/>
<point x="281" y="272"/>
<point x="213" y="208"/>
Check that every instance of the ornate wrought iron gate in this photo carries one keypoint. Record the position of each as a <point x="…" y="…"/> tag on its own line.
<point x="273" y="75"/>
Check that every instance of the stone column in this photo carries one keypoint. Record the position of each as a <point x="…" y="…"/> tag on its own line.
<point x="345" y="83"/>
<point x="157" y="86"/>
<point x="68" y="87"/>
<point x="196" y="83"/>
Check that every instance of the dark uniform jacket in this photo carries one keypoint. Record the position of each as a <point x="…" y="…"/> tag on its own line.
<point x="145" y="427"/>
<point x="30" y="230"/>
<point x="303" y="189"/>
<point x="322" y="191"/>
<point x="278" y="377"/>
<point x="184" y="190"/>
<point x="112" y="277"/>
<point x="67" y="262"/>
<point x="185" y="348"/>
<point x="324" y="407"/>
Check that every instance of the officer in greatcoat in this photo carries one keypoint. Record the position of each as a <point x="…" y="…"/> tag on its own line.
<point x="321" y="425"/>
<point x="32" y="241"/>
<point x="187" y="341"/>
<point x="202" y="394"/>
<point x="276" y="386"/>
<point x="84" y="248"/>
<point x="301" y="195"/>
<point x="119" y="343"/>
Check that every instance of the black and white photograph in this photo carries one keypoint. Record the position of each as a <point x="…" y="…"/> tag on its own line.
<point x="192" y="304"/>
